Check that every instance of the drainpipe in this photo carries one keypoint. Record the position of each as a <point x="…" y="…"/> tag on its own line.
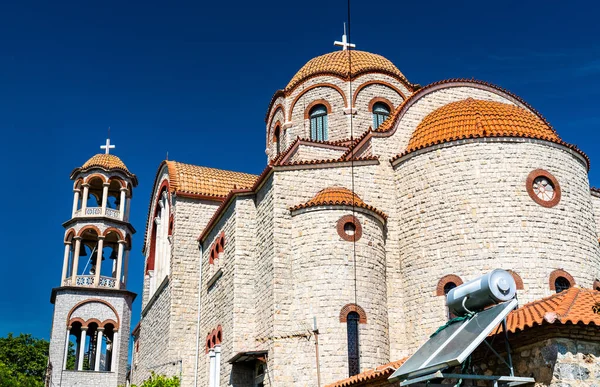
<point x="198" y="318"/>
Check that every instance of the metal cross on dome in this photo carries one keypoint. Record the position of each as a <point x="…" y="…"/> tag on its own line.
<point x="344" y="43"/>
<point x="107" y="147"/>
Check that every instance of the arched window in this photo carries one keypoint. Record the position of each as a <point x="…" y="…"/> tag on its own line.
<point x="318" y="123"/>
<point x="277" y="140"/>
<point x="353" y="349"/>
<point x="380" y="113"/>
<point x="561" y="284"/>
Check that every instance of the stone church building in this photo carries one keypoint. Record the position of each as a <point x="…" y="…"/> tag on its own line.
<point x="379" y="196"/>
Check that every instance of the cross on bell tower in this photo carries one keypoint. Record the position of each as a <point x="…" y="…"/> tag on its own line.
<point x="344" y="43"/>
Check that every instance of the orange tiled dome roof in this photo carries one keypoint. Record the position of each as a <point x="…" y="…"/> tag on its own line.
<point x="336" y="63"/>
<point x="337" y="196"/>
<point x="197" y="180"/>
<point x="472" y="118"/>
<point x="105" y="161"/>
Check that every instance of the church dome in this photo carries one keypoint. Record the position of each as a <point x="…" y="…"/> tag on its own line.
<point x="336" y="63"/>
<point x="471" y="118"/>
<point x="337" y="196"/>
<point x="105" y="161"/>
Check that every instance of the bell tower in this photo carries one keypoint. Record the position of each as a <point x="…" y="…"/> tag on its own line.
<point x="92" y="306"/>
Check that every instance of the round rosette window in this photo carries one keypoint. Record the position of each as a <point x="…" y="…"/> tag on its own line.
<point x="543" y="188"/>
<point x="349" y="228"/>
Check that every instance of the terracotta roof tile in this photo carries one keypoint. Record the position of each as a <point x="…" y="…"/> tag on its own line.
<point x="106" y="162"/>
<point x="380" y="373"/>
<point x="337" y="196"/>
<point x="336" y="63"/>
<point x="196" y="180"/>
<point x="472" y="118"/>
<point x="574" y="306"/>
<point x="200" y="182"/>
<point x="328" y="161"/>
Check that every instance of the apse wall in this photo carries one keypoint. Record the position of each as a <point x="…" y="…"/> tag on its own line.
<point x="323" y="286"/>
<point x="464" y="209"/>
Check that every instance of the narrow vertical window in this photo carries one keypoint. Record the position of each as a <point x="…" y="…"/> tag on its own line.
<point x="318" y="123"/>
<point x="561" y="284"/>
<point x="353" y="349"/>
<point x="380" y="113"/>
<point x="277" y="140"/>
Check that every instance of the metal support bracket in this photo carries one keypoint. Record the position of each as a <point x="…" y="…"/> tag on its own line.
<point x="508" y="381"/>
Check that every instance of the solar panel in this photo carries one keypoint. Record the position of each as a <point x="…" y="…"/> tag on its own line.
<point x="451" y="346"/>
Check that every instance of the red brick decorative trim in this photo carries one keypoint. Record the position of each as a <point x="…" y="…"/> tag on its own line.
<point x="272" y="115"/>
<point x="341" y="228"/>
<point x="116" y="231"/>
<point x="121" y="182"/>
<point x="77" y="184"/>
<point x="92" y="321"/>
<point x="214" y="337"/>
<point x="69" y="235"/>
<point x="439" y="291"/>
<point x="315" y="103"/>
<point x="217" y="248"/>
<point x="385" y="101"/>
<point x="560" y="273"/>
<point x="529" y="184"/>
<point x="596" y="285"/>
<point x="89" y="301"/>
<point x="76" y="320"/>
<point x="93" y="176"/>
<point x="109" y="321"/>
<point x="312" y="87"/>
<point x="383" y="83"/>
<point x="517" y="279"/>
<point x="362" y="316"/>
<point x="89" y="227"/>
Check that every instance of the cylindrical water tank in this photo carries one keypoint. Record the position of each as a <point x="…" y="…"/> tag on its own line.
<point x="492" y="288"/>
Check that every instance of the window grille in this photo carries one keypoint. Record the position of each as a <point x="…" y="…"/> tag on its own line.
<point x="561" y="284"/>
<point x="353" y="349"/>
<point x="380" y="113"/>
<point x="318" y="123"/>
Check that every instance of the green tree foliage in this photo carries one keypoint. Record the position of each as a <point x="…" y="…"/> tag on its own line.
<point x="23" y="359"/>
<point x="160" y="381"/>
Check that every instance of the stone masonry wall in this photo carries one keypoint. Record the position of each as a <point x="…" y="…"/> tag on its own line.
<point x="295" y="186"/>
<point x="323" y="275"/>
<point x="596" y="206"/>
<point x="65" y="301"/>
<point x="559" y="362"/>
<point x="339" y="123"/>
<point x="264" y="301"/>
<point x="168" y="328"/>
<point x="307" y="152"/>
<point x="191" y="216"/>
<point x="465" y="210"/>
<point x="154" y="338"/>
<point x="363" y="117"/>
<point x="217" y="300"/>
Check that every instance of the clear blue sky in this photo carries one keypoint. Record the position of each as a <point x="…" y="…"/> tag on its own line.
<point x="195" y="79"/>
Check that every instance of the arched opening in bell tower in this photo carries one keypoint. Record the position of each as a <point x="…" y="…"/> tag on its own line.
<point x="110" y="254"/>
<point x="94" y="196"/>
